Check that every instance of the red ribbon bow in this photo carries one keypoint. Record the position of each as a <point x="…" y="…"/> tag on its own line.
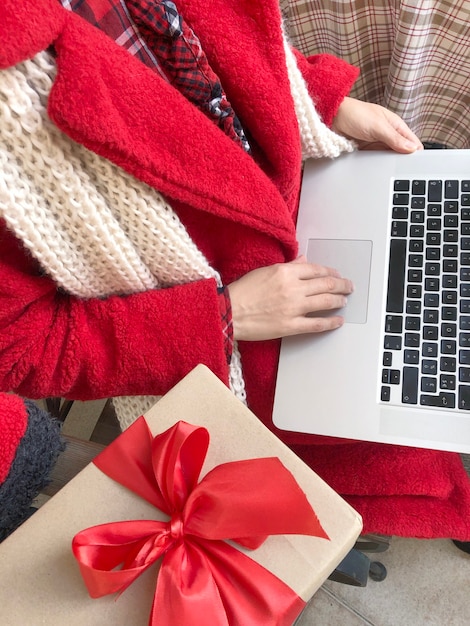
<point x="202" y="580"/>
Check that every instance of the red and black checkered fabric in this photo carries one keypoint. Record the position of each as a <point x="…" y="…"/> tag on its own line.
<point x="155" y="32"/>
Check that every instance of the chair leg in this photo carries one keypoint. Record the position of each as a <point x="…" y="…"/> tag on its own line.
<point x="462" y="545"/>
<point x="58" y="408"/>
<point x="353" y="569"/>
<point x="373" y="543"/>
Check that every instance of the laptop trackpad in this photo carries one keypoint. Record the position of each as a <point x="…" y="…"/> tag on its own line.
<point x="352" y="258"/>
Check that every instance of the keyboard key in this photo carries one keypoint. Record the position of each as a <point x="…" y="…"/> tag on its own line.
<point x="400" y="213"/>
<point x="401" y="185"/>
<point x="432" y="284"/>
<point x="448" y="346"/>
<point x="434" y="223"/>
<point x="396" y="277"/>
<point x="416" y="245"/>
<point x="429" y="350"/>
<point x="412" y="323"/>
<point x="393" y="324"/>
<point x="465" y="274"/>
<point x="449" y="281"/>
<point x="445" y="400"/>
<point x="413" y="307"/>
<point x="464" y="397"/>
<point x="433" y="254"/>
<point x="465" y="214"/>
<point x="465" y="228"/>
<point x="449" y="313"/>
<point x="451" y="235"/>
<point x="431" y="316"/>
<point x="432" y="269"/>
<point x="465" y="243"/>
<point x="415" y="276"/>
<point x="429" y="367"/>
<point x="412" y="340"/>
<point x="464" y="340"/>
<point x="400" y="199"/>
<point x="465" y="259"/>
<point x="465" y="199"/>
<point x="418" y="187"/>
<point x="416" y="230"/>
<point x="464" y="186"/>
<point x="385" y="393"/>
<point x="414" y="291"/>
<point x="451" y="221"/>
<point x="399" y="229"/>
<point x="464" y="322"/>
<point x="451" y="207"/>
<point x="450" y="250"/>
<point x="447" y="382"/>
<point x="465" y="290"/>
<point x="409" y="394"/>
<point x="448" y="329"/>
<point x="464" y="357"/>
<point x="435" y="190"/>
<point x="449" y="265"/>
<point x="433" y="210"/>
<point x="387" y="359"/>
<point x="465" y="306"/>
<point x="449" y="297"/>
<point x="464" y="374"/>
<point x="433" y="239"/>
<point x="415" y="260"/>
<point x="392" y="342"/>
<point x="430" y="333"/>
<point x="418" y="202"/>
<point x="431" y="300"/>
<point x="428" y="384"/>
<point x="411" y="357"/>
<point x="451" y="189"/>
<point x="448" y="364"/>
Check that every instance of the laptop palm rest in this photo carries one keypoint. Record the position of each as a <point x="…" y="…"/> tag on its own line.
<point x="352" y="258"/>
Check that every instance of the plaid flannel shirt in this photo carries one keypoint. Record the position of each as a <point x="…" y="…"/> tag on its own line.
<point x="154" y="32"/>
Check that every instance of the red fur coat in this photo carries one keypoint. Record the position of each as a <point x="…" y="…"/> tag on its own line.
<point x="239" y="210"/>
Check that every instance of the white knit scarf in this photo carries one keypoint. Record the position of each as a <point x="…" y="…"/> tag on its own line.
<point x="96" y="230"/>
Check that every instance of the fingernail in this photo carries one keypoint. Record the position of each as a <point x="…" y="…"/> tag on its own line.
<point x="409" y="145"/>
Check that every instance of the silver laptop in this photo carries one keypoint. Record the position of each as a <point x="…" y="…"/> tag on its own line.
<point x="398" y="370"/>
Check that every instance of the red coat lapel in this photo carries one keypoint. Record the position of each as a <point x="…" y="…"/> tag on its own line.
<point x="117" y="107"/>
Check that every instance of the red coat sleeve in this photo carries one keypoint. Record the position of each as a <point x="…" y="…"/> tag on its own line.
<point x="53" y="344"/>
<point x="329" y="81"/>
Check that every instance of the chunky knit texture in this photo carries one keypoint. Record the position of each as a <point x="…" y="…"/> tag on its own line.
<point x="95" y="229"/>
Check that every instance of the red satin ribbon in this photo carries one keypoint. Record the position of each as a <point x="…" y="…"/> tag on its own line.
<point x="202" y="580"/>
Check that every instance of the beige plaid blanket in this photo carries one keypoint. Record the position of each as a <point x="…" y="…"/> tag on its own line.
<point x="414" y="56"/>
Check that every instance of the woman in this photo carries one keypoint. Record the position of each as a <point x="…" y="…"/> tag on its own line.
<point x="112" y="288"/>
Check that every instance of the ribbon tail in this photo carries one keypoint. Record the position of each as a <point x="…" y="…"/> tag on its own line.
<point x="219" y="585"/>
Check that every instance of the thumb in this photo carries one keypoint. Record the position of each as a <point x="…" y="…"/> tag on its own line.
<point x="399" y="137"/>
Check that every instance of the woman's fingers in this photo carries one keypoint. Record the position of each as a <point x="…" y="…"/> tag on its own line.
<point x="282" y="300"/>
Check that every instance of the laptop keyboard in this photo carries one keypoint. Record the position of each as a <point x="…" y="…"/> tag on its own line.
<point x="426" y="356"/>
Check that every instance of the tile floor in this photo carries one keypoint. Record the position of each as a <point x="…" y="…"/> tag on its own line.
<point x="428" y="582"/>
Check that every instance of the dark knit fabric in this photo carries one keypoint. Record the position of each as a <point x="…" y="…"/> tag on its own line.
<point x="29" y="472"/>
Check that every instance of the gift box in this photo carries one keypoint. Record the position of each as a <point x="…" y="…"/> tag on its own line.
<point x="218" y="470"/>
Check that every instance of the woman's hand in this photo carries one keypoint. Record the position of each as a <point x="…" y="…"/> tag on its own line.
<point x="373" y="127"/>
<point x="279" y="300"/>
